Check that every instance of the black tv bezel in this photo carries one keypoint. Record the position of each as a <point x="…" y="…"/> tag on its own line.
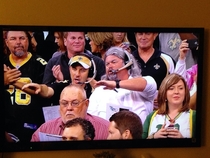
<point x="107" y="144"/>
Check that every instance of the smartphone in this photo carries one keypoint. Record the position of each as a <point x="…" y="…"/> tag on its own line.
<point x="171" y="127"/>
<point x="193" y="44"/>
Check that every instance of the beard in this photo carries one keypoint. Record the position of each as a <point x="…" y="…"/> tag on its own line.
<point x="19" y="53"/>
<point x="112" y="76"/>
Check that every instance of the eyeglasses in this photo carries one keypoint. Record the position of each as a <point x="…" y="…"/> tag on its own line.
<point x="73" y="103"/>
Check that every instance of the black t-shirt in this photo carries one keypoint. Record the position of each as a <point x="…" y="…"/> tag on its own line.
<point x="27" y="114"/>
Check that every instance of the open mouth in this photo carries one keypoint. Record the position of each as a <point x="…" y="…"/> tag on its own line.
<point x="76" y="80"/>
<point x="110" y="71"/>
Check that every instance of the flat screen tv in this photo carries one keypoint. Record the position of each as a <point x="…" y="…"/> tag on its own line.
<point x="197" y="55"/>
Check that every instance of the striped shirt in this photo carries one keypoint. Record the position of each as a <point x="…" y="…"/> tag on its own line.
<point x="56" y="127"/>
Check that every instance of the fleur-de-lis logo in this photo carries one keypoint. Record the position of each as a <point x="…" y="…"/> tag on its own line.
<point x="79" y="58"/>
<point x="174" y="43"/>
<point x="156" y="66"/>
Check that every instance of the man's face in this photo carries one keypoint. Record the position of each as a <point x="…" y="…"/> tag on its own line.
<point x="114" y="133"/>
<point x="17" y="42"/>
<point x="145" y="40"/>
<point x="78" y="74"/>
<point x="113" y="63"/>
<point x="72" y="104"/>
<point x="75" y="42"/>
<point x="73" y="133"/>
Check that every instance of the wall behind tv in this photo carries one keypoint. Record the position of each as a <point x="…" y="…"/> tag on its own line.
<point x="164" y="13"/>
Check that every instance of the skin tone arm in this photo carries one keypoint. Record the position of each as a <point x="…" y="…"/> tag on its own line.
<point x="11" y="77"/>
<point x="41" y="89"/>
<point x="93" y="83"/>
<point x="129" y="84"/>
<point x="183" y="49"/>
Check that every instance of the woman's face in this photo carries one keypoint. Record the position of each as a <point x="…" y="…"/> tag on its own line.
<point x="176" y="94"/>
<point x="57" y="39"/>
<point x="118" y="37"/>
<point x="93" y="47"/>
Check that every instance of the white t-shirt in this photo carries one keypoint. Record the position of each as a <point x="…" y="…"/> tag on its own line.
<point x="182" y="123"/>
<point x="104" y="103"/>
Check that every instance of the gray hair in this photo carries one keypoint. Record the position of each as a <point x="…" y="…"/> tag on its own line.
<point x="134" y="71"/>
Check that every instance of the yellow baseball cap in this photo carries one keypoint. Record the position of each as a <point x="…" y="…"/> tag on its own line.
<point x="83" y="60"/>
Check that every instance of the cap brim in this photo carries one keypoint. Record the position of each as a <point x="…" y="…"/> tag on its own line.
<point x="81" y="63"/>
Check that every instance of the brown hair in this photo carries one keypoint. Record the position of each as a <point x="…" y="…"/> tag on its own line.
<point x="165" y="85"/>
<point x="61" y="36"/>
<point x="87" y="127"/>
<point x="127" y="120"/>
<point x="103" y="40"/>
<point x="30" y="48"/>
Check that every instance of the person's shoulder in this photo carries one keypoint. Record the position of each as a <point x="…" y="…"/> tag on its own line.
<point x="52" y="122"/>
<point x="167" y="57"/>
<point x="152" y="115"/>
<point x="93" y="56"/>
<point x="93" y="118"/>
<point x="98" y="89"/>
<point x="56" y="58"/>
<point x="165" y="54"/>
<point x="39" y="59"/>
<point x="135" y="53"/>
<point x="58" y="53"/>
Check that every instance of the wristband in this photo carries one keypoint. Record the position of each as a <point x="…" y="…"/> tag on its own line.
<point x="117" y="83"/>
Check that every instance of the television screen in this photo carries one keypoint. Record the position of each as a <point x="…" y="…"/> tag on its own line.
<point x="50" y="58"/>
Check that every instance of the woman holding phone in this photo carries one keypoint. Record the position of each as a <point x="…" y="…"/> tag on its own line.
<point x="174" y="118"/>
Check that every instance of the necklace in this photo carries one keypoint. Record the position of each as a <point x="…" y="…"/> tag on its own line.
<point x="174" y="119"/>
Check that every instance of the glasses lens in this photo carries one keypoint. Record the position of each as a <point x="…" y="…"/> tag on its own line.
<point x="75" y="103"/>
<point x="64" y="103"/>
